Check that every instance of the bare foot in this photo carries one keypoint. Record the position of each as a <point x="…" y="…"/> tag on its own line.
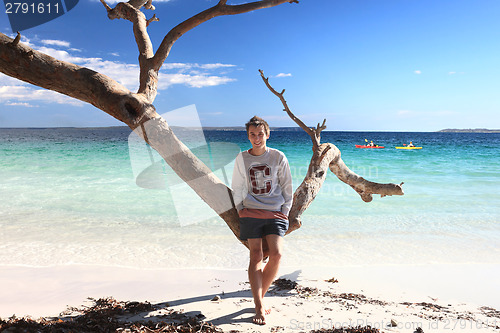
<point x="259" y="318"/>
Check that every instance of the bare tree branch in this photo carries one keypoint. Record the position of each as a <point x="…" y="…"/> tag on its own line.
<point x="314" y="134"/>
<point x="363" y="187"/>
<point x="108" y="8"/>
<point x="150" y="63"/>
<point x="153" y="19"/>
<point x="149" y="5"/>
<point x="320" y="128"/>
<point x="16" y="40"/>
<point x="326" y="156"/>
<point x="148" y="78"/>
<point x="22" y="62"/>
<point x="138" y="4"/>
<point x="218" y="10"/>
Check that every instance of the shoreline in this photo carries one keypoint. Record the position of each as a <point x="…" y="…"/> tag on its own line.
<point x="381" y="293"/>
<point x="273" y="128"/>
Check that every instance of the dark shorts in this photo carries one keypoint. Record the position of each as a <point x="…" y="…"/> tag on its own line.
<point x="257" y="228"/>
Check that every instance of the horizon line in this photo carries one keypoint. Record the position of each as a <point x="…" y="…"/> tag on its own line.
<point x="273" y="128"/>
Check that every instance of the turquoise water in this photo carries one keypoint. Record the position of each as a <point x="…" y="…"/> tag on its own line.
<point x="69" y="196"/>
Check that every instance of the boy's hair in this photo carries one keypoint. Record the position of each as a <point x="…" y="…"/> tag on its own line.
<point x="258" y="121"/>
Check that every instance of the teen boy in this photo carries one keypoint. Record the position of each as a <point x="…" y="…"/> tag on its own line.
<point x="262" y="185"/>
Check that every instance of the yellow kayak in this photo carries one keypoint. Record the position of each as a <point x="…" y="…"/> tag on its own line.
<point x="408" y="147"/>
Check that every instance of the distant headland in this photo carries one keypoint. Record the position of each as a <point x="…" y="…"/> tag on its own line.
<point x="242" y="128"/>
<point x="470" y="130"/>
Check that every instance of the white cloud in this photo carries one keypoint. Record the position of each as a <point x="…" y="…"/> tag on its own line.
<point x="194" y="67"/>
<point x="165" y="80"/>
<point x="417" y="72"/>
<point x="283" y="75"/>
<point x="24" y="104"/>
<point x="61" y="43"/>
<point x="215" y="66"/>
<point x="24" y="93"/>
<point x="125" y="74"/>
<point x="176" y="65"/>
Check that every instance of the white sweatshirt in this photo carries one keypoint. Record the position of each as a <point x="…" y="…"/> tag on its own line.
<point x="262" y="182"/>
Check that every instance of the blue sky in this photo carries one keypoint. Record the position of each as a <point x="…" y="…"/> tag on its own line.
<point x="364" y="65"/>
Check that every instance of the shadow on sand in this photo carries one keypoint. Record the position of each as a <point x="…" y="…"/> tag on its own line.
<point x="239" y="298"/>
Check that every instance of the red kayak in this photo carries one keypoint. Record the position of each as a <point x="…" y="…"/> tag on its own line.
<point x="364" y="146"/>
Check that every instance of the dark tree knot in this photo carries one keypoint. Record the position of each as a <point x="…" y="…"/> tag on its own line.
<point x="131" y="110"/>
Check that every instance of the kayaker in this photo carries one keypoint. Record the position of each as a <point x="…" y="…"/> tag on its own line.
<point x="371" y="144"/>
<point x="411" y="144"/>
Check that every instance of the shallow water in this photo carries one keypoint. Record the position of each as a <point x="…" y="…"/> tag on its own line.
<point x="69" y="196"/>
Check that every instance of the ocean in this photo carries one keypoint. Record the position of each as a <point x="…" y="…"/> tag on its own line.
<point x="71" y="196"/>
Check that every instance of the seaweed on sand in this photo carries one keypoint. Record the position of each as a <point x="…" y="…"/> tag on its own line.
<point x="108" y="315"/>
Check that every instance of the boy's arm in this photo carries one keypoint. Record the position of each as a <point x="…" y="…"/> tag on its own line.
<point x="239" y="183"/>
<point x="286" y="186"/>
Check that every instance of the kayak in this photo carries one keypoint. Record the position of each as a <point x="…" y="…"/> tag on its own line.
<point x="364" y="146"/>
<point x="408" y="147"/>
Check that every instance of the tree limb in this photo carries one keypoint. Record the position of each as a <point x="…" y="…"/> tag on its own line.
<point x="218" y="10"/>
<point x="153" y="19"/>
<point x="23" y="63"/>
<point x="16" y="40"/>
<point x="314" y="134"/>
<point x="148" y="77"/>
<point x="108" y="8"/>
<point x="326" y="156"/>
<point x="150" y="63"/>
<point x="138" y="4"/>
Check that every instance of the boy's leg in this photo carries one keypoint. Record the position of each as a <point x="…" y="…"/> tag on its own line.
<point x="255" y="276"/>
<point x="275" y="243"/>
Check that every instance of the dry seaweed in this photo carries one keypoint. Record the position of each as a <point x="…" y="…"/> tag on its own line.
<point x="332" y="280"/>
<point x="490" y="312"/>
<point x="285" y="284"/>
<point x="104" y="316"/>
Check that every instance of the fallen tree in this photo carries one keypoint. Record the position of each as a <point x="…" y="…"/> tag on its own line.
<point x="137" y="111"/>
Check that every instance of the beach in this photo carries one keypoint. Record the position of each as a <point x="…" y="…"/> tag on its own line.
<point x="77" y="224"/>
<point x="432" y="297"/>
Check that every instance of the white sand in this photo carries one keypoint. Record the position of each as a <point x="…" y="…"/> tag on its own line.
<point x="460" y="289"/>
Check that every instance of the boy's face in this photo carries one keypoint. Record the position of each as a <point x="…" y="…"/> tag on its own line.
<point x="257" y="136"/>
